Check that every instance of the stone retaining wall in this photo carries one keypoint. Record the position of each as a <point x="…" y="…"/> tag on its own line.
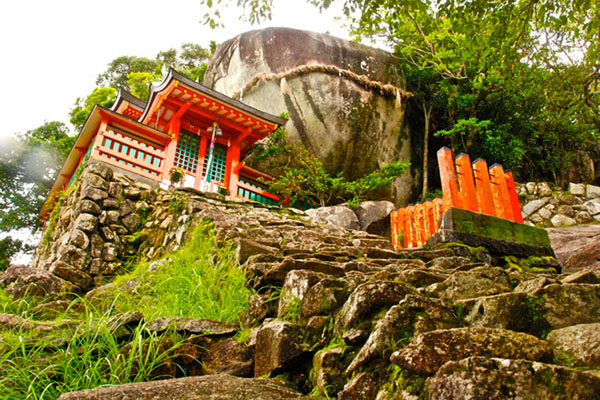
<point x="542" y="205"/>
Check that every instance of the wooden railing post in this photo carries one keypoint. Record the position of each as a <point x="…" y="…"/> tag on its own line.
<point x="513" y="197"/>
<point x="448" y="178"/>
<point x="483" y="188"/>
<point x="467" y="184"/>
<point x="500" y="192"/>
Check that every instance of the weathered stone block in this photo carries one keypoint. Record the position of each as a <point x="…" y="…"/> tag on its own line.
<point x="582" y="342"/>
<point x="79" y="239"/>
<point x="369" y="298"/>
<point x="277" y="343"/>
<point x="109" y="252"/>
<point x="89" y="207"/>
<point x="498" y="235"/>
<point x="427" y="352"/>
<point x="571" y="304"/>
<point x="71" y="274"/>
<point x="592" y="192"/>
<point x="296" y="285"/>
<point x="247" y="248"/>
<point x="131" y="222"/>
<point x="115" y="189"/>
<point x="93" y="194"/>
<point x="86" y="222"/>
<point x="110" y="204"/>
<point x="74" y="256"/>
<point x="126" y="207"/>
<point x="577" y="189"/>
<point x="19" y="280"/>
<point x="479" y="378"/>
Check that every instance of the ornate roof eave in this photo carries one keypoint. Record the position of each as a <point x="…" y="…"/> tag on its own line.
<point x="125" y="96"/>
<point x="174" y="78"/>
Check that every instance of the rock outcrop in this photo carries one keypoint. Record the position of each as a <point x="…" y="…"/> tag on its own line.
<point x="210" y="387"/>
<point x="350" y="124"/>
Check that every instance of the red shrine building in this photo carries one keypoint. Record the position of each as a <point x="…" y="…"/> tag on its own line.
<point x="187" y="128"/>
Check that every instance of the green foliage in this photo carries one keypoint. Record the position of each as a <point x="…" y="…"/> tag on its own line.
<point x="139" y="83"/>
<point x="176" y="204"/>
<point x="41" y="367"/>
<point x="201" y="280"/>
<point x="28" y="168"/>
<point x="135" y="74"/>
<point x="102" y="96"/>
<point x="8" y="248"/>
<point x="304" y="176"/>
<point x="400" y="380"/>
<point x="115" y="75"/>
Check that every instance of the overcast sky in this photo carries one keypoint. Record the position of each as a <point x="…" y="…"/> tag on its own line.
<point x="52" y="50"/>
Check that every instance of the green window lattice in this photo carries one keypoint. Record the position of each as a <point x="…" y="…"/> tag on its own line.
<point x="186" y="155"/>
<point x="219" y="162"/>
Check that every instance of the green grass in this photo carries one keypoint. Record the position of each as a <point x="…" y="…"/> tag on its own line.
<point x="200" y="280"/>
<point x="82" y="355"/>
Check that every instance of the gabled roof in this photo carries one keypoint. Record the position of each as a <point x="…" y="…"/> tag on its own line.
<point x="124" y="96"/>
<point x="175" y="79"/>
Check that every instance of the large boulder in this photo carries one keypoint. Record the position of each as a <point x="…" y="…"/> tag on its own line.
<point x="352" y="124"/>
<point x="210" y="387"/>
<point x="429" y="351"/>
<point x="576" y="247"/>
<point x="479" y="378"/>
<point x="19" y="280"/>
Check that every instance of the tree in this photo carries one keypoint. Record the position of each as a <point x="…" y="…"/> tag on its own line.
<point x="135" y="74"/>
<point x="9" y="247"/>
<point x="28" y="168"/>
<point x="302" y="175"/>
<point x="102" y="96"/>
<point x="115" y="75"/>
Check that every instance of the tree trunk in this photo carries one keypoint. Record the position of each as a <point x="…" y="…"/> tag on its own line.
<point x="427" y="116"/>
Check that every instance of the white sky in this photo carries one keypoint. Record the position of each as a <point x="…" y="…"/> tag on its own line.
<point x="52" y="50"/>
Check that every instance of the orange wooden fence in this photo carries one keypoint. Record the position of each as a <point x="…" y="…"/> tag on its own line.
<point x="473" y="187"/>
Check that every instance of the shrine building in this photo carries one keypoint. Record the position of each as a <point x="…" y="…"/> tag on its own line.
<point x="184" y="128"/>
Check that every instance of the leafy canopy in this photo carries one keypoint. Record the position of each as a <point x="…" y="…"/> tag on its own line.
<point x="28" y="168"/>
<point x="304" y="176"/>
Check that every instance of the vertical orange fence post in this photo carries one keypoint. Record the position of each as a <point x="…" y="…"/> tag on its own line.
<point x="448" y="178"/>
<point x="484" y="188"/>
<point x="420" y="214"/>
<point x="513" y="197"/>
<point x="500" y="192"/>
<point x="405" y="225"/>
<point x="429" y="219"/>
<point x="467" y="184"/>
<point x="394" y="226"/>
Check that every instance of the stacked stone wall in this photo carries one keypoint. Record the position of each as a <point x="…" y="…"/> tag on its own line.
<point x="545" y="206"/>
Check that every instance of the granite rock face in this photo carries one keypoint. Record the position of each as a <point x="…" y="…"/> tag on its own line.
<point x="210" y="387"/>
<point x="479" y="378"/>
<point x="351" y="128"/>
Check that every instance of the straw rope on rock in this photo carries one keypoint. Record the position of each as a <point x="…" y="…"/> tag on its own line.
<point x="384" y="89"/>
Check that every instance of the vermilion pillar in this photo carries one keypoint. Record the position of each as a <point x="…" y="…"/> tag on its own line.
<point x="500" y="192"/>
<point x="483" y="188"/>
<point x="448" y="178"/>
<point x="513" y="197"/>
<point x="468" y="196"/>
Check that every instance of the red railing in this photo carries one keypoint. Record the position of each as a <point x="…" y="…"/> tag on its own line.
<point x="468" y="186"/>
<point x="137" y="156"/>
